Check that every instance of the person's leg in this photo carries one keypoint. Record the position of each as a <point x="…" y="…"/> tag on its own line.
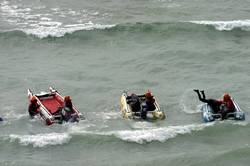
<point x="203" y="95"/>
<point x="199" y="95"/>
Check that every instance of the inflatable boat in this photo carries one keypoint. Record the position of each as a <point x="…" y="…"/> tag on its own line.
<point x="50" y="105"/>
<point x="128" y="113"/>
<point x="208" y="114"/>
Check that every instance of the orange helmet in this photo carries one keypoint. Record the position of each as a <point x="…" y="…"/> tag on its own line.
<point x="226" y="97"/>
<point x="33" y="99"/>
<point x="67" y="98"/>
<point x="148" y="94"/>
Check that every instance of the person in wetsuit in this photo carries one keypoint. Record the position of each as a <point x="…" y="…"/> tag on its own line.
<point x="223" y="107"/>
<point x="215" y="104"/>
<point x="68" y="113"/>
<point x="33" y="107"/>
<point x="148" y="105"/>
<point x="228" y="102"/>
<point x="227" y="106"/>
<point x="134" y="101"/>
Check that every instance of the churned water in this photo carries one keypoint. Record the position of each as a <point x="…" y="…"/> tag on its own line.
<point x="94" y="50"/>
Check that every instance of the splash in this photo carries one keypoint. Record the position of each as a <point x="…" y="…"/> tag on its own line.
<point x="187" y="107"/>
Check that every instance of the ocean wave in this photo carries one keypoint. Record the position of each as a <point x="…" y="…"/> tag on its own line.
<point x="226" y="25"/>
<point x="56" y="30"/>
<point x="42" y="32"/>
<point x="140" y="136"/>
<point x="48" y="29"/>
<point x="147" y="135"/>
<point x="157" y="134"/>
<point x="41" y="140"/>
<point x="50" y="22"/>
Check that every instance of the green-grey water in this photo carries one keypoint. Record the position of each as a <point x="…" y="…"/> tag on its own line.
<point x="94" y="50"/>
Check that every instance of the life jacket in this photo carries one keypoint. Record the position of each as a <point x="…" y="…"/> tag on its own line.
<point x="229" y="104"/>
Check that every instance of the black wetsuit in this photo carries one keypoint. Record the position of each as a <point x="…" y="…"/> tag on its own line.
<point x="215" y="104"/>
<point x="33" y="109"/>
<point x="148" y="106"/>
<point x="134" y="102"/>
<point x="67" y="111"/>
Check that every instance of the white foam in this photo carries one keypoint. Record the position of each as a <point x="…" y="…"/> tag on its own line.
<point x="42" y="25"/>
<point x="226" y="25"/>
<point x="59" y="31"/>
<point x="141" y="136"/>
<point x="41" y="140"/>
<point x="157" y="134"/>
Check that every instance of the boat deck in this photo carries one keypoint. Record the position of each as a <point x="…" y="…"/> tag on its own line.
<point x="52" y="103"/>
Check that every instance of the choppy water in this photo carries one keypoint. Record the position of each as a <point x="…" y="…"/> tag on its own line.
<point x="93" y="50"/>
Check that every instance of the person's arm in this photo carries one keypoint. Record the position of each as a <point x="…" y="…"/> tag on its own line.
<point x="141" y="95"/>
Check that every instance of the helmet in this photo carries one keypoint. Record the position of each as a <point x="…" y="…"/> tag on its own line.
<point x="226" y="97"/>
<point x="67" y="98"/>
<point x="33" y="99"/>
<point x="148" y="94"/>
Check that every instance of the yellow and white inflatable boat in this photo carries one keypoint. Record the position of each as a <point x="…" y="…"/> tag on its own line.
<point x="128" y="113"/>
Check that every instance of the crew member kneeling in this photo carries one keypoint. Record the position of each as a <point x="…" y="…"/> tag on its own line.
<point x="148" y="105"/>
<point x="68" y="113"/>
<point x="33" y="107"/>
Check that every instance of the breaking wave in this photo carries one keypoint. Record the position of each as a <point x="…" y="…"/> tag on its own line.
<point x="140" y="136"/>
<point x="157" y="134"/>
<point x="226" y="25"/>
<point x="43" y="32"/>
<point x="51" y="21"/>
<point x="58" y="30"/>
<point x="41" y="140"/>
<point x="148" y="135"/>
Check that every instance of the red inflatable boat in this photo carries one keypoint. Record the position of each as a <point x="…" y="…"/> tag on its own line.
<point x="50" y="104"/>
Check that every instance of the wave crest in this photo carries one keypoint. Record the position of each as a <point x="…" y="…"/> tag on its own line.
<point x="226" y="25"/>
<point x="157" y="134"/>
<point x="41" y="140"/>
<point x="148" y="135"/>
<point x="55" y="29"/>
<point x="45" y="31"/>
